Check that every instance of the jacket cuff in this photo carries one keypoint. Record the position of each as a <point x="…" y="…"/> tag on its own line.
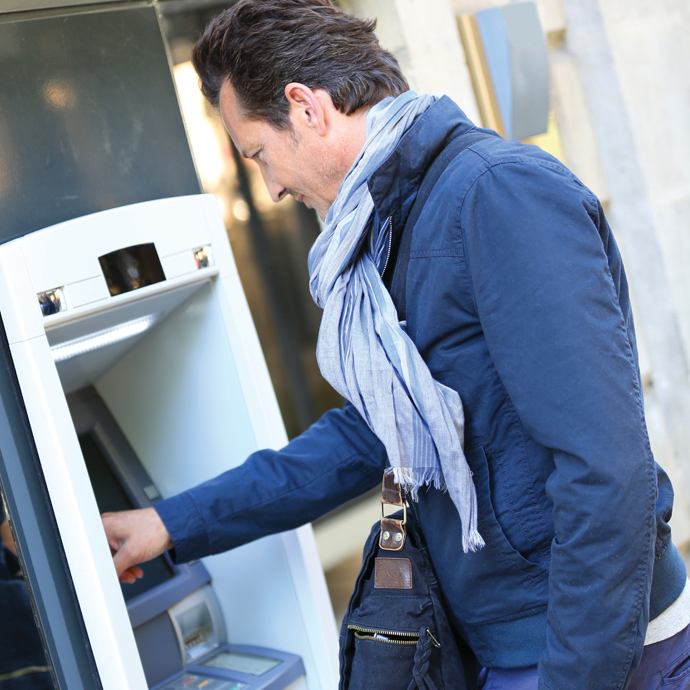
<point x="185" y="526"/>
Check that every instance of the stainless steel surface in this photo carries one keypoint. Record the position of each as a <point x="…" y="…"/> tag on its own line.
<point x="89" y="118"/>
<point x="31" y="5"/>
<point x="177" y="6"/>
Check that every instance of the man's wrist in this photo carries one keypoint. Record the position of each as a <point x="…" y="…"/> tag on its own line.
<point x="186" y="529"/>
<point x="157" y="528"/>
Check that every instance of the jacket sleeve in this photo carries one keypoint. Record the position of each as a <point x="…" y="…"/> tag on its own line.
<point x="564" y="350"/>
<point x="337" y="459"/>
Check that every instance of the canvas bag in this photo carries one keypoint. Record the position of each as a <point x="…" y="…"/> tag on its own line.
<point x="395" y="634"/>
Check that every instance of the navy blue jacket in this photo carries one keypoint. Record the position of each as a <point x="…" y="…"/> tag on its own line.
<point x="516" y="298"/>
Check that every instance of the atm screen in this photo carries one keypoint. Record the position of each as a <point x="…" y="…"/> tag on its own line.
<point x="110" y="497"/>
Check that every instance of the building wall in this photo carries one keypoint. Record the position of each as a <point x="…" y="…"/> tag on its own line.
<point x="632" y="59"/>
<point x="423" y="36"/>
<point x="650" y="52"/>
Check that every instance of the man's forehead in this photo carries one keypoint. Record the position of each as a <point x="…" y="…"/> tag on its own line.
<point x="227" y="95"/>
<point x="239" y="127"/>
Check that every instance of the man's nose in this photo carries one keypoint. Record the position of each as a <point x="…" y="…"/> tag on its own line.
<point x="276" y="191"/>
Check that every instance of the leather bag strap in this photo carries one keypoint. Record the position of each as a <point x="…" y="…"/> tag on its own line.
<point x="393" y="535"/>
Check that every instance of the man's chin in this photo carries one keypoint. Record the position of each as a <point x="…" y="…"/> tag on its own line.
<point x="322" y="212"/>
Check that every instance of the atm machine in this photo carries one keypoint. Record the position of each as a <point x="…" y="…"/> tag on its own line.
<point x="142" y="376"/>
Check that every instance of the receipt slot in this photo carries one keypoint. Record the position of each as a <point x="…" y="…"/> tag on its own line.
<point x="142" y="376"/>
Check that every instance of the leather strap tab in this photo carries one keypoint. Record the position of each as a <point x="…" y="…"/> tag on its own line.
<point x="393" y="573"/>
<point x="392" y="537"/>
<point x="390" y="491"/>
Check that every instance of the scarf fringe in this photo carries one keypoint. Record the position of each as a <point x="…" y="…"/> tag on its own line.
<point x="471" y="539"/>
<point x="413" y="479"/>
<point x="473" y="542"/>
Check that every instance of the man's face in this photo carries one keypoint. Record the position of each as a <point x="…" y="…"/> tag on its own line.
<point x="292" y="161"/>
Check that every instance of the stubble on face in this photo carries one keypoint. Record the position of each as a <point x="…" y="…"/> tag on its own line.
<point x="309" y="168"/>
<point x="317" y="169"/>
<point x="330" y="169"/>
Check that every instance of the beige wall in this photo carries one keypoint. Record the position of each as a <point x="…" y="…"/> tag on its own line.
<point x="423" y="36"/>
<point x="650" y="48"/>
<point x="633" y="58"/>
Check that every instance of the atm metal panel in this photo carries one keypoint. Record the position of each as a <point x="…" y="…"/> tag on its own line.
<point x="89" y="117"/>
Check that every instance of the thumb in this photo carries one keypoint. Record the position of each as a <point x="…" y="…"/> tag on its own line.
<point x="124" y="558"/>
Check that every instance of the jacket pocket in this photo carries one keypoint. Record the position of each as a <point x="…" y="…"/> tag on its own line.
<point x="491" y="530"/>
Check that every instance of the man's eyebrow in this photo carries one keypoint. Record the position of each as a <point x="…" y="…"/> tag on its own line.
<point x="256" y="148"/>
<point x="241" y="152"/>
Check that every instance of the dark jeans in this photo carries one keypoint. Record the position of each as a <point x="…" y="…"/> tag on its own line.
<point x="665" y="664"/>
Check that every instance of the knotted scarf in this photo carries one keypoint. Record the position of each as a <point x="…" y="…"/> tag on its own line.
<point x="363" y="350"/>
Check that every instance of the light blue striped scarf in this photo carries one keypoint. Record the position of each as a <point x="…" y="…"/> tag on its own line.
<point x="364" y="351"/>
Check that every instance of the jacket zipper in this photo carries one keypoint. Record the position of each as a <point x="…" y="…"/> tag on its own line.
<point x="390" y="244"/>
<point x="411" y="503"/>
<point x="383" y="635"/>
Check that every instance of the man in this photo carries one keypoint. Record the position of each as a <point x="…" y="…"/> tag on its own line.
<point x="551" y="541"/>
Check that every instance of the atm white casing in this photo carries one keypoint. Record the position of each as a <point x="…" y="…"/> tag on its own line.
<point x="193" y="397"/>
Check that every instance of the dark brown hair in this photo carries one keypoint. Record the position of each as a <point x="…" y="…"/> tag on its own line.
<point x="260" y="46"/>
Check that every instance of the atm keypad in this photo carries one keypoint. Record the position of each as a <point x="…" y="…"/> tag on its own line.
<point x="193" y="682"/>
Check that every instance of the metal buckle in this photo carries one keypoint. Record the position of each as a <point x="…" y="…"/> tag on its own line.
<point x="383" y="514"/>
<point x="434" y="641"/>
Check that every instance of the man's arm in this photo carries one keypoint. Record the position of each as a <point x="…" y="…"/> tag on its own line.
<point x="557" y="335"/>
<point x="337" y="459"/>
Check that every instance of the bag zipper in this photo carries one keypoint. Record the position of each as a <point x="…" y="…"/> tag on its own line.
<point x="384" y="635"/>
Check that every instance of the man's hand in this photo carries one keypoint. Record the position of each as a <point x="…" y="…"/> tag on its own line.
<point x="135" y="536"/>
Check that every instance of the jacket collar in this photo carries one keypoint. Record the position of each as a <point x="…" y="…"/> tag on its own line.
<point x="394" y="184"/>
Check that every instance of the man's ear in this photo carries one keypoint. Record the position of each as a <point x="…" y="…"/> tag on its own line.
<point x="306" y="107"/>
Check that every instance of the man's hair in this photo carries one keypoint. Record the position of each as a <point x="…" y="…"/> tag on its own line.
<point x="260" y="46"/>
